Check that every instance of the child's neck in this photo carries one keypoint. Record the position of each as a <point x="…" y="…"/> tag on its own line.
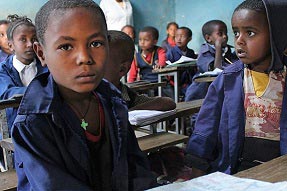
<point x="148" y="51"/>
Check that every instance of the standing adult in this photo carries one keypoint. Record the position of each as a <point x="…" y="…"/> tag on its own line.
<point x="118" y="13"/>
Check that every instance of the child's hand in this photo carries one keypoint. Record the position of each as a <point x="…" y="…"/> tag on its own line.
<point x="220" y="42"/>
<point x="157" y="67"/>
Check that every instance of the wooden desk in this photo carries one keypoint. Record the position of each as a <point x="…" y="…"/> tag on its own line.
<point x="145" y="86"/>
<point x="271" y="171"/>
<point x="7" y="144"/>
<point x="173" y="70"/>
<point x="208" y="79"/>
<point x="157" y="141"/>
<point x="183" y="109"/>
<point x="8" y="180"/>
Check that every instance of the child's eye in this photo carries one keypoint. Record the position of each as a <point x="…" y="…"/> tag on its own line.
<point x="96" y="44"/>
<point x="2" y="35"/>
<point x="65" y="47"/>
<point x="236" y="34"/>
<point x="23" y="40"/>
<point x="250" y="33"/>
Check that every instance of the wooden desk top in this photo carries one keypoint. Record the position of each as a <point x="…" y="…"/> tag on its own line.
<point x="7" y="144"/>
<point x="12" y="102"/>
<point x="156" y="141"/>
<point x="8" y="180"/>
<point x="145" y="86"/>
<point x="271" y="171"/>
<point x="175" y="67"/>
<point x="205" y="79"/>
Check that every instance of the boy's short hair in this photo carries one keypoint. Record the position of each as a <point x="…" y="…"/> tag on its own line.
<point x="208" y="27"/>
<point x="154" y="32"/>
<point x="16" y="21"/>
<point x="255" y="5"/>
<point x="189" y="32"/>
<point x="43" y="15"/>
<point x="124" y="41"/>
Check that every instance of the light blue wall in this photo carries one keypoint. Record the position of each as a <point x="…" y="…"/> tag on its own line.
<point x="194" y="13"/>
<point x="157" y="13"/>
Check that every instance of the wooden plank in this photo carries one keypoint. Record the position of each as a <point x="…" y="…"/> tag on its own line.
<point x="7" y="144"/>
<point x="175" y="67"/>
<point x="205" y="79"/>
<point x="157" y="141"/>
<point x="8" y="180"/>
<point x="147" y="86"/>
<point x="271" y="171"/>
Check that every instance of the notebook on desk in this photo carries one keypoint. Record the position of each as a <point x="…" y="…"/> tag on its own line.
<point x="183" y="59"/>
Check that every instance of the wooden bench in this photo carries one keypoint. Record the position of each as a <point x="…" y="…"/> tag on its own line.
<point x="8" y="180"/>
<point x="160" y="140"/>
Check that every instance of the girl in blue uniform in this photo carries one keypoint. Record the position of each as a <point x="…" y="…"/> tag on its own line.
<point x="17" y="71"/>
<point x="243" y="120"/>
<point x="72" y="129"/>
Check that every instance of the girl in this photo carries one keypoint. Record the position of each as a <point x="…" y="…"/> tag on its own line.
<point x="19" y="69"/>
<point x="4" y="48"/>
<point x="169" y="42"/>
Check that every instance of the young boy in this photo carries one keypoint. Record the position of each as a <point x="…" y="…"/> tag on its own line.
<point x="71" y="132"/>
<point x="149" y="57"/>
<point x="215" y="53"/>
<point x="242" y="121"/>
<point x="119" y="63"/>
<point x="183" y="36"/>
<point x="4" y="48"/>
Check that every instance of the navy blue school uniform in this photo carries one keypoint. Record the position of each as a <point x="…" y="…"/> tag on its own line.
<point x="146" y="68"/>
<point x="52" y="151"/>
<point x="174" y="54"/>
<point x="205" y="62"/>
<point x="11" y="84"/>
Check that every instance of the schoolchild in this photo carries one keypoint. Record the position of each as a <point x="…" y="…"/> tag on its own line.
<point x="169" y="42"/>
<point x="71" y="131"/>
<point x="183" y="36"/>
<point x="214" y="53"/>
<point x="130" y="30"/>
<point x="119" y="63"/>
<point x="149" y="56"/>
<point x="17" y="71"/>
<point x="4" y="48"/>
<point x="242" y="121"/>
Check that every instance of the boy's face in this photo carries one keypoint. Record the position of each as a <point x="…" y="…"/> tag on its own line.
<point x="219" y="34"/>
<point x="118" y="63"/>
<point x="181" y="38"/>
<point x="129" y="31"/>
<point x="22" y="43"/>
<point x="3" y="39"/>
<point x="251" y="38"/>
<point x="171" y="30"/>
<point x="75" y="49"/>
<point x="146" y="41"/>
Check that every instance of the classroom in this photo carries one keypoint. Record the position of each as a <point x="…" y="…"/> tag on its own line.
<point x="143" y="95"/>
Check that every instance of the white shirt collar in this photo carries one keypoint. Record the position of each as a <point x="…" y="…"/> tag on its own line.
<point x="20" y="66"/>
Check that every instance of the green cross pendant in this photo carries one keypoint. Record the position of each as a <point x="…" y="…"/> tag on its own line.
<point x="84" y="124"/>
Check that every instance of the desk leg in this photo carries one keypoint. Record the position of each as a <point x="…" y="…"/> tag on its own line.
<point x="159" y="87"/>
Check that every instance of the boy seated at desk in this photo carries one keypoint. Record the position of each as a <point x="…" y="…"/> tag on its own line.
<point x="149" y="56"/>
<point x="183" y="36"/>
<point x="214" y="53"/>
<point x="119" y="63"/>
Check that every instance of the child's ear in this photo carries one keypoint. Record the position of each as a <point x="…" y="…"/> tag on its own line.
<point x="124" y="69"/>
<point x="154" y="42"/>
<point x="10" y="44"/>
<point x="39" y="52"/>
<point x="207" y="38"/>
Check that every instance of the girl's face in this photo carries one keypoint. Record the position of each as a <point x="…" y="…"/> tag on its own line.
<point x="129" y="31"/>
<point x="75" y="49"/>
<point x="22" y="43"/>
<point x="146" y="41"/>
<point x="171" y="31"/>
<point x="3" y="39"/>
<point x="252" y="39"/>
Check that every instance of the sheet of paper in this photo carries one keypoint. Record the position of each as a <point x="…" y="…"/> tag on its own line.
<point x="143" y="117"/>
<point x="223" y="182"/>
<point x="214" y="72"/>
<point x="181" y="60"/>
